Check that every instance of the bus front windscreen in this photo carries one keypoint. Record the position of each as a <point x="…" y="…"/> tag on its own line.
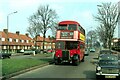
<point x="60" y="45"/>
<point x="71" y="45"/>
<point x="68" y="45"/>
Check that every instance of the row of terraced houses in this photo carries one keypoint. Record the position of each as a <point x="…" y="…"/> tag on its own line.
<point x="15" y="42"/>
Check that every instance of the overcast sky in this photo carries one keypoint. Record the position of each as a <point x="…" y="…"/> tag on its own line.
<point x="81" y="11"/>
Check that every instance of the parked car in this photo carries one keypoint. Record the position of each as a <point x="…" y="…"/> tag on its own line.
<point x="107" y="66"/>
<point x="5" y="55"/>
<point x="86" y="52"/>
<point x="37" y="51"/>
<point x="49" y="51"/>
<point x="92" y="49"/>
<point x="43" y="51"/>
<point x="105" y="51"/>
<point x="22" y="51"/>
<point x="28" y="52"/>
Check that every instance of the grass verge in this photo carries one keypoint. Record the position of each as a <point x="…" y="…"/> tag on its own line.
<point x="14" y="65"/>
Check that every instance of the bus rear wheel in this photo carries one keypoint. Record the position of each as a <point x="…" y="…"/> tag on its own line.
<point x="57" y="62"/>
<point x="76" y="62"/>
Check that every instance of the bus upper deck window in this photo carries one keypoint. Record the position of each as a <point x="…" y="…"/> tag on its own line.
<point x="72" y="27"/>
<point x="62" y="27"/>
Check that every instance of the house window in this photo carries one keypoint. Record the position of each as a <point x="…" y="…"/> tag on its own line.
<point x="16" y="40"/>
<point x="45" y="47"/>
<point x="3" y="39"/>
<point x="22" y="41"/>
<point x="10" y="39"/>
<point x="18" y="47"/>
<point x="41" y="47"/>
<point x="25" y="47"/>
<point x="29" y="47"/>
<point x="27" y="41"/>
<point x="14" y="47"/>
<point x="11" y="47"/>
<point x="4" y="47"/>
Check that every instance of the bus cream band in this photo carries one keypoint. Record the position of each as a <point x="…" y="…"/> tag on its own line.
<point x="82" y="37"/>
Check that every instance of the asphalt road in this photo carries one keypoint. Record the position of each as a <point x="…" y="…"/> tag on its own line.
<point x="84" y="70"/>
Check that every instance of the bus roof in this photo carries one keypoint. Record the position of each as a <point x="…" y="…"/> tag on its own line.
<point x="68" y="22"/>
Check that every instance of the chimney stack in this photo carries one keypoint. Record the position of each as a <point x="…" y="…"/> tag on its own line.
<point x="49" y="36"/>
<point x="27" y="34"/>
<point x="17" y="32"/>
<point x="5" y="30"/>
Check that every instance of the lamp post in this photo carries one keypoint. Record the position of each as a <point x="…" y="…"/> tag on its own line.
<point x="8" y="18"/>
<point x="8" y="28"/>
<point x="119" y="19"/>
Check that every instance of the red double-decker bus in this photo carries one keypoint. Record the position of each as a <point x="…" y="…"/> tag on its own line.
<point x="70" y="43"/>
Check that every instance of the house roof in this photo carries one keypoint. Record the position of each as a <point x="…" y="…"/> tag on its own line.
<point x="40" y="39"/>
<point x="24" y="37"/>
<point x="15" y="36"/>
<point x="21" y="37"/>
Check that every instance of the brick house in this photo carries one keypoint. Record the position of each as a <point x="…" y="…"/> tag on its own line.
<point x="49" y="43"/>
<point x="14" y="42"/>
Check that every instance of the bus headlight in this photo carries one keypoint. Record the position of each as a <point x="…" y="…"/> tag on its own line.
<point x="98" y="68"/>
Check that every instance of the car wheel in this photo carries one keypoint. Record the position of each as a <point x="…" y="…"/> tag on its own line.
<point x="4" y="57"/>
<point x="9" y="57"/>
<point x="98" y="77"/>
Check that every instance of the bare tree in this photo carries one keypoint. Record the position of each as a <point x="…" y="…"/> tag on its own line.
<point x="102" y="35"/>
<point x="91" y="35"/>
<point x="108" y="18"/>
<point x="45" y="18"/>
<point x="33" y="29"/>
<point x="54" y="29"/>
